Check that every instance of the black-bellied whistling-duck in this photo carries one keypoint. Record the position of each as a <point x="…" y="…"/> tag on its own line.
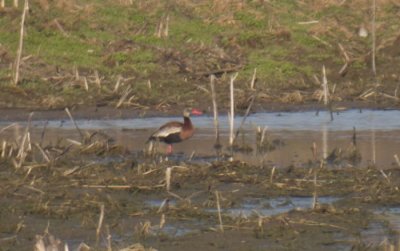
<point x="174" y="131"/>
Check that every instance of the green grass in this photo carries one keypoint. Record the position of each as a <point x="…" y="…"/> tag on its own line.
<point x="194" y="30"/>
<point x="273" y="69"/>
<point x="56" y="49"/>
<point x="120" y="39"/>
<point x="250" y="21"/>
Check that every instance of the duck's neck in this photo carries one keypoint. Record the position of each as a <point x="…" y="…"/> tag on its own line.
<point x="187" y="123"/>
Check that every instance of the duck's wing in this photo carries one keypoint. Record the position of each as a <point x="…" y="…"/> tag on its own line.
<point x="167" y="129"/>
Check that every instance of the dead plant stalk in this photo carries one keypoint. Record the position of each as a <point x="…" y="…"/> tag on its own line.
<point x="325" y="86"/>
<point x="324" y="141"/>
<point x="117" y="84"/>
<point x="253" y="79"/>
<point x="315" y="196"/>
<point x="215" y="109"/>
<point x="397" y="159"/>
<point x="73" y="121"/>
<point x="97" y="79"/>
<point x="125" y="94"/>
<point x="373" y="145"/>
<point x="232" y="110"/>
<point x="25" y="139"/>
<point x="85" y="83"/>
<point x="272" y="175"/>
<point x="168" y="178"/>
<point x="4" y="149"/>
<point x="245" y="115"/>
<point x="109" y="248"/>
<point x="101" y="218"/>
<point x="373" y="37"/>
<point x="21" y="40"/>
<point x="221" y="226"/>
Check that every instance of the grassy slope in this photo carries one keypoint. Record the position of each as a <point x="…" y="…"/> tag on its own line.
<point x="117" y="39"/>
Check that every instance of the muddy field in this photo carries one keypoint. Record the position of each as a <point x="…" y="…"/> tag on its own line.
<point x="291" y="181"/>
<point x="149" y="56"/>
<point x="91" y="190"/>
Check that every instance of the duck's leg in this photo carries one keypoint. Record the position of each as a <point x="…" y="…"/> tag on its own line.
<point x="169" y="149"/>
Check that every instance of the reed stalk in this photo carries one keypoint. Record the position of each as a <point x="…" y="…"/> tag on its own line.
<point x="314" y="151"/>
<point x="3" y="149"/>
<point x="163" y="204"/>
<point x="85" y="84"/>
<point x="149" y="84"/>
<point x="125" y="94"/>
<point x="324" y="141"/>
<point x="117" y="84"/>
<point x="97" y="79"/>
<point x="397" y="159"/>
<point x="325" y="86"/>
<point x="263" y="135"/>
<point x="162" y="29"/>
<point x="21" y="155"/>
<point x="373" y="31"/>
<point x="232" y="110"/>
<point x="272" y="175"/>
<point x="168" y="178"/>
<point x="21" y="40"/>
<point x="10" y="152"/>
<point x="159" y="28"/>
<point x="221" y="226"/>
<point x="315" y="195"/>
<point x="9" y="126"/>
<point x="77" y="76"/>
<point x="253" y="97"/>
<point x="253" y="79"/>
<point x="73" y="121"/>
<point x="215" y="110"/>
<point x="100" y="223"/>
<point x="109" y="247"/>
<point x="384" y="175"/>
<point x="354" y="138"/>
<point x="191" y="156"/>
<point x="166" y="28"/>
<point x="29" y="148"/>
<point x="44" y="154"/>
<point x="373" y="146"/>
<point x="162" y="221"/>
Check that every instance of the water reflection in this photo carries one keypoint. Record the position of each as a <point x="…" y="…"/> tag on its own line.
<point x="344" y="121"/>
<point x="288" y="141"/>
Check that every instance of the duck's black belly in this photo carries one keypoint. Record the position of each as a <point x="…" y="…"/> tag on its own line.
<point x="171" y="139"/>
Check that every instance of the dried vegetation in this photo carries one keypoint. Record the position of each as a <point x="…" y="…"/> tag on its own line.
<point x="95" y="195"/>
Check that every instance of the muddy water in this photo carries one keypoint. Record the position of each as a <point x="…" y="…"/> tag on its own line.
<point x="293" y="135"/>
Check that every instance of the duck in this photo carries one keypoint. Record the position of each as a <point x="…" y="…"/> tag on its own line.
<point x="174" y="131"/>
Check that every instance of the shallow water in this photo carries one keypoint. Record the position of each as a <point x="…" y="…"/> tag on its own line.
<point x="298" y="121"/>
<point x="378" y="136"/>
<point x="273" y="206"/>
<point x="250" y="206"/>
<point x="392" y="215"/>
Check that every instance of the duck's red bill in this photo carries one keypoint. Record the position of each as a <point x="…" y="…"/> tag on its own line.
<point x="196" y="112"/>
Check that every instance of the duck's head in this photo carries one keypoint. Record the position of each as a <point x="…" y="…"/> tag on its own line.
<point x="191" y="111"/>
